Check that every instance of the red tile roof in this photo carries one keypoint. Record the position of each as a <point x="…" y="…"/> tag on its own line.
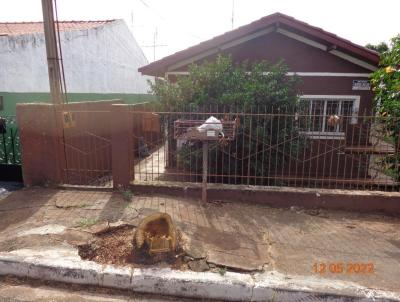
<point x="277" y="19"/>
<point x="22" y="28"/>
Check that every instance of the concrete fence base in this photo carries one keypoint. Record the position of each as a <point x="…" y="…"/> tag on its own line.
<point x="361" y="201"/>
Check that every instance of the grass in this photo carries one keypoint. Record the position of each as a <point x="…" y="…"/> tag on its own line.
<point x="127" y="205"/>
<point x="87" y="222"/>
<point x="222" y="271"/>
<point x="127" y="195"/>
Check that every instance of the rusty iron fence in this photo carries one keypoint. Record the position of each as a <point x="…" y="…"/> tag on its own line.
<point x="87" y="147"/>
<point x="315" y="146"/>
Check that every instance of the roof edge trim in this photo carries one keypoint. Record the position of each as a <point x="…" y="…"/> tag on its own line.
<point x="224" y="46"/>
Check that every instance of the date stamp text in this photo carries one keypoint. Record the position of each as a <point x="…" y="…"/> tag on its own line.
<point x="343" y="268"/>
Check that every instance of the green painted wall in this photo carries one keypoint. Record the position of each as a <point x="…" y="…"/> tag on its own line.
<point x="10" y="99"/>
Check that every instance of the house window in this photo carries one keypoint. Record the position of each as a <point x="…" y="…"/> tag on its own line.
<point x="327" y="116"/>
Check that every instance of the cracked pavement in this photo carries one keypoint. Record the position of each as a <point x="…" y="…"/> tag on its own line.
<point x="243" y="237"/>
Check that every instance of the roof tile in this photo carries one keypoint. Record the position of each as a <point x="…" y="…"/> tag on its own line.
<point x="22" y="28"/>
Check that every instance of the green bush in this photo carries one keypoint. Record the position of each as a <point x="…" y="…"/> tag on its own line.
<point x="386" y="85"/>
<point x="224" y="83"/>
<point x="223" y="86"/>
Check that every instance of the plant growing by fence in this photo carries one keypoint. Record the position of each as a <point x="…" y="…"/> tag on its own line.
<point x="226" y="88"/>
<point x="386" y="85"/>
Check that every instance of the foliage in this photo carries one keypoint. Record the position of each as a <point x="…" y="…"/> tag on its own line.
<point x="222" y="86"/>
<point x="386" y="85"/>
<point x="87" y="222"/>
<point x="222" y="270"/>
<point x="224" y="83"/>
<point x="381" y="47"/>
<point x="127" y="194"/>
<point x="386" y="81"/>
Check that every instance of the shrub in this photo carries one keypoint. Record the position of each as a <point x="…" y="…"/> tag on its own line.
<point x="223" y="86"/>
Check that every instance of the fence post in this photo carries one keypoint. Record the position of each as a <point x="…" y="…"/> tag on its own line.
<point x="122" y="146"/>
<point x="205" y="172"/>
<point x="41" y="144"/>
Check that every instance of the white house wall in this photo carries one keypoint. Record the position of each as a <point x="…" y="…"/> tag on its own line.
<point x="104" y="59"/>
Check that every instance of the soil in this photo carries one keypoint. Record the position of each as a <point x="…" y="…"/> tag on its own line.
<point x="117" y="247"/>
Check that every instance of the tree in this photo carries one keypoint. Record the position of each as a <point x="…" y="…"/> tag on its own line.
<point x="386" y="85"/>
<point x="224" y="83"/>
<point x="223" y="86"/>
<point x="381" y="47"/>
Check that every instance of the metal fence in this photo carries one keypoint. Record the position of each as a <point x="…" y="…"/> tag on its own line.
<point x="87" y="148"/>
<point x="305" y="146"/>
<point x="10" y="153"/>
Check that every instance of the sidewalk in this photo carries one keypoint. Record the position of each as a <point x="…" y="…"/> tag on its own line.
<point x="243" y="237"/>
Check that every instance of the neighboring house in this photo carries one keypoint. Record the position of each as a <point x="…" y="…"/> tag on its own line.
<point x="100" y="59"/>
<point x="334" y="76"/>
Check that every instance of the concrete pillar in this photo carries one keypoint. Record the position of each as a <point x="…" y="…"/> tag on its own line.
<point x="41" y="137"/>
<point x="122" y="145"/>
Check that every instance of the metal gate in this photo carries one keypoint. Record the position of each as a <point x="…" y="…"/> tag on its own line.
<point x="10" y="154"/>
<point x="87" y="147"/>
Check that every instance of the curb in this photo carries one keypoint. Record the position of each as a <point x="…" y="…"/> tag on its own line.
<point x="271" y="286"/>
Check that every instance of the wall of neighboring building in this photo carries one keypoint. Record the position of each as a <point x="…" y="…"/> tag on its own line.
<point x="11" y="99"/>
<point x="100" y="63"/>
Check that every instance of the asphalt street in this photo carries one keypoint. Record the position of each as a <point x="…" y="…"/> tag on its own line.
<point x="18" y="290"/>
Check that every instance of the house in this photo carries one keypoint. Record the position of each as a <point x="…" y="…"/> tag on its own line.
<point x="334" y="91"/>
<point x="330" y="67"/>
<point x="100" y="61"/>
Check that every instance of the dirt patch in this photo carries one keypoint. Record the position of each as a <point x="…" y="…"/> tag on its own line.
<point x="117" y="247"/>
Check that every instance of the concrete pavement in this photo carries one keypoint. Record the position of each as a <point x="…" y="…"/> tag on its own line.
<point x="293" y="244"/>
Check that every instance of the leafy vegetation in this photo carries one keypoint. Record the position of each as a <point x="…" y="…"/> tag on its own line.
<point x="381" y="47"/>
<point x="222" y="270"/>
<point x="386" y="85"/>
<point x="87" y="222"/>
<point x="226" y="84"/>
<point x="225" y="87"/>
<point x="127" y="195"/>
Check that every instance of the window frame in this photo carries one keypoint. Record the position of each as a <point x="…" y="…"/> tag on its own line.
<point x="327" y="134"/>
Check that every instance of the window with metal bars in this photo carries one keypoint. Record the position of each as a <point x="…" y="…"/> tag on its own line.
<point x="327" y="117"/>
